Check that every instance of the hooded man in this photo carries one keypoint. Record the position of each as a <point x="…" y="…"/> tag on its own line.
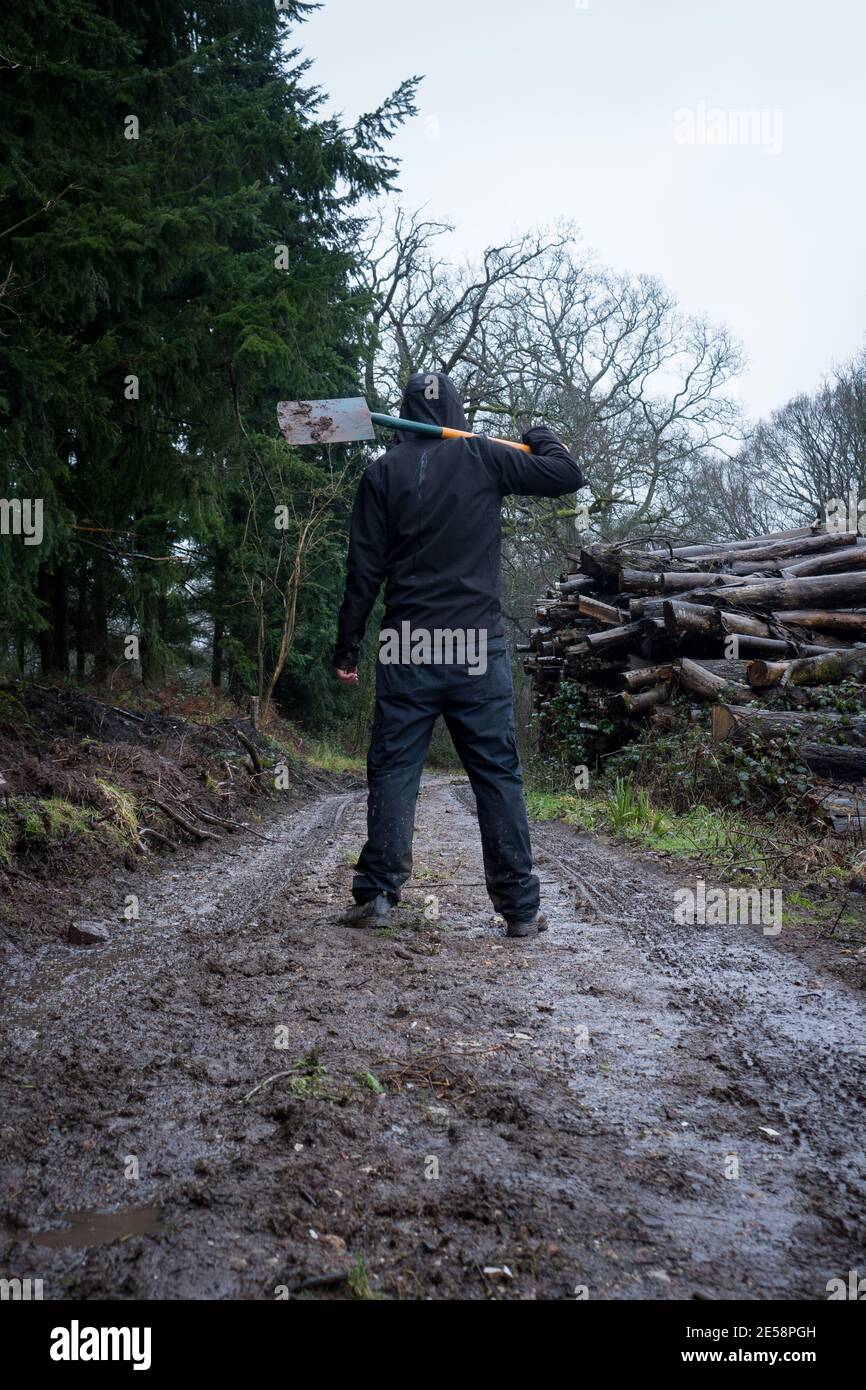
<point x="427" y="522"/>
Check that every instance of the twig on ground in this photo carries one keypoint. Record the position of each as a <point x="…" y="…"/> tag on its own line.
<point x="183" y="822"/>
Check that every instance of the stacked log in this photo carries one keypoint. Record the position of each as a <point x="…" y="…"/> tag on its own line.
<point x="766" y="620"/>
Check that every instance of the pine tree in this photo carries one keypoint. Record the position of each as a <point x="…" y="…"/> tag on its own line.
<point x="179" y="224"/>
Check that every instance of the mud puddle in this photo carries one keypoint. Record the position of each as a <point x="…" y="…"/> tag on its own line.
<point x="82" y="1229"/>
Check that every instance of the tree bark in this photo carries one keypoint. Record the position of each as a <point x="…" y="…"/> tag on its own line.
<point x="669" y="582"/>
<point x="713" y="547"/>
<point x="100" y="619"/>
<point x="574" y="584"/>
<point x="792" y="593"/>
<point x="840" y="762"/>
<point x="828" y="669"/>
<point x="647" y="675"/>
<point x="691" y="617"/>
<point x="45" y="637"/>
<point x="826" y="619"/>
<point x="833" y="562"/>
<point x="613" y="637"/>
<point x="781" y="550"/>
<point x="81" y="622"/>
<point x="600" y="612"/>
<point x="738" y="725"/>
<point x="710" y="686"/>
<point x="644" y="701"/>
<point x="743" y="623"/>
<point x="775" y="648"/>
<point x="60" y="619"/>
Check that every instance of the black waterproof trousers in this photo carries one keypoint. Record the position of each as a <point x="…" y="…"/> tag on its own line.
<point x="479" y="714"/>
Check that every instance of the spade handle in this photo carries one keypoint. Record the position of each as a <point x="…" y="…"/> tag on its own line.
<point x="394" y="422"/>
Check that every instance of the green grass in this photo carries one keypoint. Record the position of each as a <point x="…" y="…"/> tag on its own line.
<point x="370" y="1082"/>
<point x="12" y="712"/>
<point x="123" y="810"/>
<point x="358" y="1283"/>
<point x="715" y="837"/>
<point x="51" y="820"/>
<point x="331" y="758"/>
<point x="825" y="913"/>
<point x="308" y="1078"/>
<point x="583" y="812"/>
<point x="8" y="836"/>
<point x="630" y="811"/>
<point x="43" y="823"/>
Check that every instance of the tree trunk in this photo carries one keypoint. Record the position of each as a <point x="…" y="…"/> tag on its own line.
<point x="712" y="548"/>
<point x="647" y="675"/>
<point x="81" y="622"/>
<point x="574" y="584"/>
<point x="738" y="725"/>
<point x="614" y="637"/>
<point x="762" y="674"/>
<point x="776" y="647"/>
<point x="792" y="593"/>
<point x="831" y="563"/>
<point x="672" y="582"/>
<point x="840" y="762"/>
<point x="781" y="550"/>
<point x="45" y="637"/>
<point x="828" y="669"/>
<point x="149" y="633"/>
<point x="825" y="619"/>
<point x="101" y="580"/>
<point x="60" y="618"/>
<point x="691" y="617"/>
<point x="744" y="624"/>
<point x="600" y="612"/>
<point x="642" y="702"/>
<point x="709" y="686"/>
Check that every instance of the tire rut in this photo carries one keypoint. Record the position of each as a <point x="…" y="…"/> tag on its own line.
<point x="437" y="1100"/>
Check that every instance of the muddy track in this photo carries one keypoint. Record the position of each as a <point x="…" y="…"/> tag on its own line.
<point x="467" y="1116"/>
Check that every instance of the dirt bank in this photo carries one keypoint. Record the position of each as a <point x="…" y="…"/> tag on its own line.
<point x="93" y="795"/>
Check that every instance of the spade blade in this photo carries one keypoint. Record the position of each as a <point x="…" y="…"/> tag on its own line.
<point x="325" y="422"/>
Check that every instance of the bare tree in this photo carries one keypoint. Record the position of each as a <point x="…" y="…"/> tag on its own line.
<point x="813" y="449"/>
<point x="538" y="331"/>
<point x="285" y="544"/>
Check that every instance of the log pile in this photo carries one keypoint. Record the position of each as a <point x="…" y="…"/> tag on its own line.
<point x="744" y="626"/>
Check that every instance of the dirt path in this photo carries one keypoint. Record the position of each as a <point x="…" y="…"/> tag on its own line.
<point x="567" y="1109"/>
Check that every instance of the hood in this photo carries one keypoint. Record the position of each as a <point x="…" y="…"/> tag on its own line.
<point x="431" y="397"/>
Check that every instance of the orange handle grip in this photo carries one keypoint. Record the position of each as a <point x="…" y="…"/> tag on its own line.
<point x="468" y="434"/>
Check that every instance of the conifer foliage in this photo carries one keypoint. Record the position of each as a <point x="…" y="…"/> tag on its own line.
<point x="179" y="224"/>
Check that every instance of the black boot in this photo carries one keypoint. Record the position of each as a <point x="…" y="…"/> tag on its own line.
<point x="376" y="912"/>
<point x="532" y="927"/>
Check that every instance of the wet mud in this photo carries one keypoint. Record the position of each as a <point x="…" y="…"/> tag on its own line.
<point x="240" y="1097"/>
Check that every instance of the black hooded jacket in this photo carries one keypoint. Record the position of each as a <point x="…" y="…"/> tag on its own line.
<point x="426" y="520"/>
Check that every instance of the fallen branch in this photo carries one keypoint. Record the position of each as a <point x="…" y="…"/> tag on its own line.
<point x="229" y="824"/>
<point x="163" y="839"/>
<point x="182" y="821"/>
<point x="252" y="750"/>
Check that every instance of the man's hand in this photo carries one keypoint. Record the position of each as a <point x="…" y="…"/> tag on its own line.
<point x="539" y="434"/>
<point x="347" y="677"/>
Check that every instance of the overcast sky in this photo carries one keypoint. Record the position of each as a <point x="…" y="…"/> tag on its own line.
<point x="603" y="111"/>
